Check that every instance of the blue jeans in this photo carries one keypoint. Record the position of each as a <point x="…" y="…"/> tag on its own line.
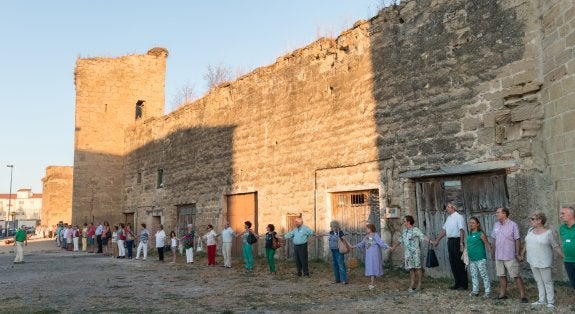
<point x="570" y="269"/>
<point x="339" y="271"/>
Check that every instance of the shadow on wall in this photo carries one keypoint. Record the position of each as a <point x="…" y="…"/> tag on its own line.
<point x="428" y="62"/>
<point x="192" y="165"/>
<point x="188" y="166"/>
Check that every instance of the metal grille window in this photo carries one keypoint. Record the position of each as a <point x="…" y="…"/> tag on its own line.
<point x="357" y="199"/>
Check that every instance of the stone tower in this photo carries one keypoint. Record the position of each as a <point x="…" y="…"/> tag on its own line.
<point x="111" y="94"/>
<point x="57" y="195"/>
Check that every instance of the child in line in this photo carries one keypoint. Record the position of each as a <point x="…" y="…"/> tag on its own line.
<point x="174" y="245"/>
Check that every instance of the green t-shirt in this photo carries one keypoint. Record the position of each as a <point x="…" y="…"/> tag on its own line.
<point x="20" y="235"/>
<point x="568" y="242"/>
<point x="475" y="246"/>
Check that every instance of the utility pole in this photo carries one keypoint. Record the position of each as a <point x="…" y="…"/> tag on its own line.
<point x="9" y="198"/>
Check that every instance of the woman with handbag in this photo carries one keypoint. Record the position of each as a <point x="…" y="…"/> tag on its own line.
<point x="410" y="238"/>
<point x="338" y="245"/>
<point x="272" y="243"/>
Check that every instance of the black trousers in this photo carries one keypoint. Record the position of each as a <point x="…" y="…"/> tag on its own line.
<point x="161" y="253"/>
<point x="300" y="252"/>
<point x="99" y="241"/>
<point x="457" y="265"/>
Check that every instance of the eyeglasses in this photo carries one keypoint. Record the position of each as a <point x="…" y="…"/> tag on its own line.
<point x="533" y="218"/>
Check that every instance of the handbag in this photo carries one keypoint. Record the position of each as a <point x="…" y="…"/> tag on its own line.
<point x="276" y="243"/>
<point x="343" y="245"/>
<point x="199" y="248"/>
<point x="431" y="260"/>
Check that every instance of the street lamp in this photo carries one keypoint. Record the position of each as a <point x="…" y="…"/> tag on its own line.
<point x="9" y="197"/>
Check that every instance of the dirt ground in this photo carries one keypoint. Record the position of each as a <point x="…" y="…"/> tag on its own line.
<point x="55" y="281"/>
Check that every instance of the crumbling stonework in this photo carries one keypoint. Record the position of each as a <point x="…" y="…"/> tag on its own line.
<point x="57" y="195"/>
<point x="425" y="89"/>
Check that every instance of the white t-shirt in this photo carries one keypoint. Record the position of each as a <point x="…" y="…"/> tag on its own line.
<point x="228" y="235"/>
<point x="174" y="242"/>
<point x="210" y="238"/>
<point x="160" y="238"/>
<point x="540" y="248"/>
<point x="453" y="224"/>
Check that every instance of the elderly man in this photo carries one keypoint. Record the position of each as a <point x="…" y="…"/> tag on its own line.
<point x="227" y="239"/>
<point x="454" y="229"/>
<point x="506" y="252"/>
<point x="300" y="234"/>
<point x="20" y="239"/>
<point x="567" y="234"/>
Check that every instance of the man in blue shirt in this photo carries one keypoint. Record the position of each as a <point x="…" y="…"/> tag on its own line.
<point x="300" y="234"/>
<point x="98" y="233"/>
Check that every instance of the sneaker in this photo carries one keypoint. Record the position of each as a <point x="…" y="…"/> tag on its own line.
<point x="550" y="306"/>
<point x="538" y="303"/>
<point x="486" y="295"/>
<point x="371" y="287"/>
<point x="410" y="290"/>
<point x="474" y="294"/>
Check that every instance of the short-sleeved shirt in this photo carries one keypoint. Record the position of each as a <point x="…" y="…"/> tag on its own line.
<point x="299" y="234"/>
<point x="453" y="224"/>
<point x="269" y="237"/>
<point x="475" y="246"/>
<point x="540" y="248"/>
<point x="567" y="235"/>
<point x="227" y="235"/>
<point x="505" y="235"/>
<point x="20" y="236"/>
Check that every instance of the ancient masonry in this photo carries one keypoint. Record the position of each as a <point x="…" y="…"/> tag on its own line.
<point x="57" y="195"/>
<point x="430" y="101"/>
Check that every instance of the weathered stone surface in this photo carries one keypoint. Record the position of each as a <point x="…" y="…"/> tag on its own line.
<point x="527" y="111"/>
<point x="57" y="195"/>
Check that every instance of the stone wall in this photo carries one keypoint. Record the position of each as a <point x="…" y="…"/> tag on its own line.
<point x="107" y="92"/>
<point x="57" y="195"/>
<point x="424" y="87"/>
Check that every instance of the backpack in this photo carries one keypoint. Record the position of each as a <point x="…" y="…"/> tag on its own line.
<point x="252" y="238"/>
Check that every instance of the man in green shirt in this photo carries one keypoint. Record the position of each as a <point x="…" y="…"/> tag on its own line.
<point x="20" y="239"/>
<point x="567" y="234"/>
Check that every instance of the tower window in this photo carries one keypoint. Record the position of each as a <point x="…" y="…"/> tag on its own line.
<point x="139" y="109"/>
<point x="160" y="179"/>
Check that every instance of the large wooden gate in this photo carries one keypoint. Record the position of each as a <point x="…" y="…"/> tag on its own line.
<point x="353" y="210"/>
<point x="476" y="195"/>
<point x="186" y="215"/>
<point x="242" y="208"/>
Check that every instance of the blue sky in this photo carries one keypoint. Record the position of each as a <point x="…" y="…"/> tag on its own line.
<point x="41" y="40"/>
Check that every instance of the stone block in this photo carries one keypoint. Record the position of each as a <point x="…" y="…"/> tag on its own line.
<point x="526" y="112"/>
<point x="564" y="104"/>
<point x="500" y="134"/>
<point x="470" y="124"/>
<point x="530" y="128"/>
<point x="486" y="136"/>
<point x="532" y="86"/>
<point x="489" y="119"/>
<point x="503" y="116"/>
<point x="555" y="74"/>
<point x="569" y="121"/>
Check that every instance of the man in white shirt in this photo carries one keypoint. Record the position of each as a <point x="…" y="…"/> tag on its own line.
<point x="454" y="229"/>
<point x="160" y="241"/>
<point x="227" y="239"/>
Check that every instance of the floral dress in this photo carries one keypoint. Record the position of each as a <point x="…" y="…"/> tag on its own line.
<point x="410" y="239"/>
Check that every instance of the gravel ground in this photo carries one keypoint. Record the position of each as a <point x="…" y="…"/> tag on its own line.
<point x="54" y="281"/>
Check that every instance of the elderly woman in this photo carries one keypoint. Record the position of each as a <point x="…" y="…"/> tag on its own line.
<point x="373" y="246"/>
<point x="188" y="240"/>
<point x="339" y="270"/>
<point x="410" y="238"/>
<point x="539" y="245"/>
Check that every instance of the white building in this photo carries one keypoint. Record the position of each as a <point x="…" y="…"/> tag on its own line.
<point x="23" y="205"/>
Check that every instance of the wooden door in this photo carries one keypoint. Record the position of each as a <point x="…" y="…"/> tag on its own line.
<point x="186" y="215"/>
<point x="242" y="208"/>
<point x="476" y="195"/>
<point x="353" y="210"/>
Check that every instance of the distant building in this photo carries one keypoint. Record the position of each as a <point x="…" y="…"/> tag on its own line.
<point x="24" y="205"/>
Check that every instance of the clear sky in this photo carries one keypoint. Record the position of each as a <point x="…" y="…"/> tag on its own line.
<point x="41" y="40"/>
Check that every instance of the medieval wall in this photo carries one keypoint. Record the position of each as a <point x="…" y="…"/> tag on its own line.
<point x="427" y="88"/>
<point x="57" y="195"/>
<point x="107" y="92"/>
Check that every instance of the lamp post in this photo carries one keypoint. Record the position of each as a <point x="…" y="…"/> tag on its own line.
<point x="9" y="197"/>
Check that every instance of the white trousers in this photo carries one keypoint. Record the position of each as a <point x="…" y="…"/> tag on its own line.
<point x="227" y="253"/>
<point x="544" y="284"/>
<point x="76" y="244"/>
<point x="121" y="248"/>
<point x="144" y="247"/>
<point x="19" y="252"/>
<point x="190" y="255"/>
